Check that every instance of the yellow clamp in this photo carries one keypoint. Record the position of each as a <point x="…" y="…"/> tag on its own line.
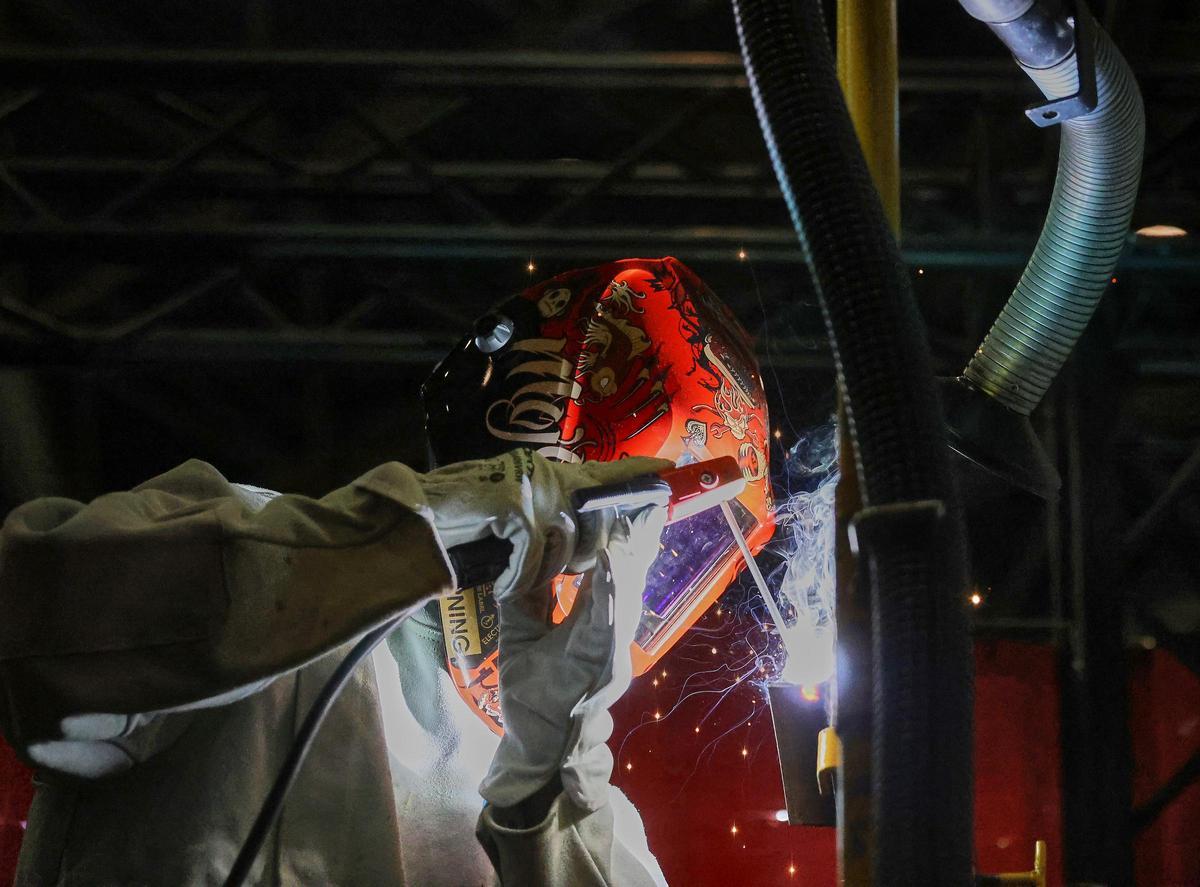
<point x="829" y="758"/>
<point x="1035" y="878"/>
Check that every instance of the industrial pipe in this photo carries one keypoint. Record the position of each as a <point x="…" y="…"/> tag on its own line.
<point x="1100" y="161"/>
<point x="910" y="544"/>
<point x="1036" y="33"/>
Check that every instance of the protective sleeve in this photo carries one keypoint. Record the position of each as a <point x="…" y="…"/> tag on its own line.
<point x="573" y="848"/>
<point x="191" y="591"/>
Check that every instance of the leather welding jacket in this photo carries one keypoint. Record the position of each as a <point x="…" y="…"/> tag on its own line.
<point x="159" y="647"/>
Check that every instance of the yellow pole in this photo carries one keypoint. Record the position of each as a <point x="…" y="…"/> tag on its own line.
<point x="868" y="71"/>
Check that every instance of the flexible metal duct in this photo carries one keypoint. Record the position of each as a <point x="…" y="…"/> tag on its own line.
<point x="1099" y="167"/>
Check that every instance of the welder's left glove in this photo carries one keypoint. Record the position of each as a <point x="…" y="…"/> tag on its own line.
<point x="558" y="681"/>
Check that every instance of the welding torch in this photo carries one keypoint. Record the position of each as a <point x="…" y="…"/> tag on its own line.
<point x="684" y="490"/>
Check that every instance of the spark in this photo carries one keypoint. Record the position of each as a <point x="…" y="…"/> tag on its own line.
<point x="742" y="255"/>
<point x="793" y="644"/>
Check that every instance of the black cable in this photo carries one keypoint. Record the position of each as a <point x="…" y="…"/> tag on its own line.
<point x="273" y="804"/>
<point x="474" y="563"/>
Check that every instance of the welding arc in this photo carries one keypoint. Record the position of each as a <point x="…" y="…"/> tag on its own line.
<point x="752" y="566"/>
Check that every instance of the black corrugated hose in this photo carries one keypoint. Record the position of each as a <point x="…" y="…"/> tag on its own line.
<point x="921" y="734"/>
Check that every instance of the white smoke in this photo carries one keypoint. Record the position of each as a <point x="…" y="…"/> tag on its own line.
<point x="806" y="531"/>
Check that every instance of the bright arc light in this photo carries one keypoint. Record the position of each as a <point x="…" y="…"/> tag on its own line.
<point x="810" y="655"/>
<point x="781" y="816"/>
<point x="808" y="580"/>
<point x="1162" y="231"/>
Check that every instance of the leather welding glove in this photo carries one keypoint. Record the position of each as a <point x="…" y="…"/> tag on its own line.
<point x="524" y="498"/>
<point x="558" y="681"/>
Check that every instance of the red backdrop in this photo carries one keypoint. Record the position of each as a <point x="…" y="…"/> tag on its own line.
<point x="1165" y="720"/>
<point x="16" y="791"/>
<point x="694" y="788"/>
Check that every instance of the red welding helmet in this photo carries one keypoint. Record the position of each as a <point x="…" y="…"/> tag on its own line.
<point x="632" y="358"/>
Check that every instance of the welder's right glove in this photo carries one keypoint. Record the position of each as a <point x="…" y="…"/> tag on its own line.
<point x="524" y="498"/>
<point x="558" y="681"/>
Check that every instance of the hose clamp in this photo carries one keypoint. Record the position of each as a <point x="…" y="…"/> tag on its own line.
<point x="905" y="526"/>
<point x="1084" y="101"/>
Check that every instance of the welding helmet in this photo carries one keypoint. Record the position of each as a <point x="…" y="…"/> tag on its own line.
<point x="632" y="358"/>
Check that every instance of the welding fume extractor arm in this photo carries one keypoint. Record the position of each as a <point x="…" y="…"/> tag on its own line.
<point x="190" y="591"/>
<point x="552" y="818"/>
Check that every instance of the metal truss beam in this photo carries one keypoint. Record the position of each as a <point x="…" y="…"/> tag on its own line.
<point x="1144" y="815"/>
<point x="1184" y="477"/>
<point x="576" y="179"/>
<point x="106" y="67"/>
<point x="114" y="240"/>
<point x="224" y="347"/>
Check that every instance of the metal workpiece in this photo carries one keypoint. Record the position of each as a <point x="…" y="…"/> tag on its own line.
<point x="798" y="717"/>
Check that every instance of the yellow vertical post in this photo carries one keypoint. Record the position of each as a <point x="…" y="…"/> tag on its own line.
<point x="868" y="69"/>
<point x="869" y="73"/>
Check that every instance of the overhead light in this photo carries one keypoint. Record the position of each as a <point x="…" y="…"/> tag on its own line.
<point x="1161" y="231"/>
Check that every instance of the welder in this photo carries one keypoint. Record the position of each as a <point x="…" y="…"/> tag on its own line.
<point x="159" y="646"/>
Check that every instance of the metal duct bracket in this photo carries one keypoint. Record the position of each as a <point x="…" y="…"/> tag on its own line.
<point x="1083" y="102"/>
